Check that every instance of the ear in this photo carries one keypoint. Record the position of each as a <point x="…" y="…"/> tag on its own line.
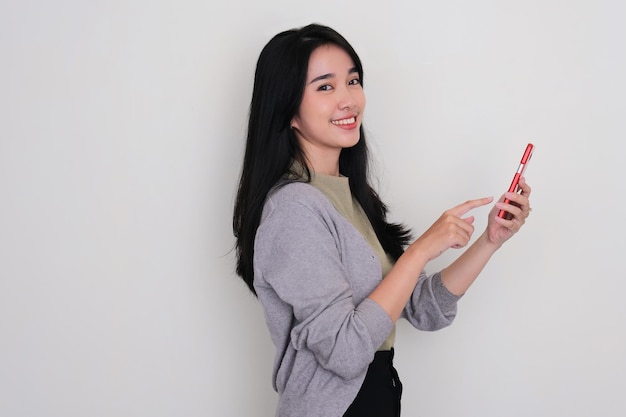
<point x="295" y="123"/>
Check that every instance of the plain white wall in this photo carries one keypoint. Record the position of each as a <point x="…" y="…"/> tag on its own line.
<point x="121" y="133"/>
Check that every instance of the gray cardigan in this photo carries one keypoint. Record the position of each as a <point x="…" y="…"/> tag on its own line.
<point x="313" y="272"/>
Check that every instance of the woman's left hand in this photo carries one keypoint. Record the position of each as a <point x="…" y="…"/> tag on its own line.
<point x="500" y="230"/>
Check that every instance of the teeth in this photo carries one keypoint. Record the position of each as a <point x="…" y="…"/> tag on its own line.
<point x="344" y="121"/>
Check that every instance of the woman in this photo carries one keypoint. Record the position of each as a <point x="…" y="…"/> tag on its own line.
<point x="313" y="242"/>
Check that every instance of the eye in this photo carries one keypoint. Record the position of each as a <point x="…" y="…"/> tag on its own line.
<point x="354" y="81"/>
<point x="325" y="87"/>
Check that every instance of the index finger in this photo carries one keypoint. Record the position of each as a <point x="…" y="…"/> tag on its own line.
<point x="461" y="209"/>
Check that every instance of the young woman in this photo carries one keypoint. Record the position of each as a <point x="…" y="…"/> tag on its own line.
<point x="314" y="244"/>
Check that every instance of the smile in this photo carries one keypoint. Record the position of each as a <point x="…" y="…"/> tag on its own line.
<point x="342" y="122"/>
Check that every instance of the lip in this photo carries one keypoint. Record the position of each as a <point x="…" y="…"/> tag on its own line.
<point x="346" y="122"/>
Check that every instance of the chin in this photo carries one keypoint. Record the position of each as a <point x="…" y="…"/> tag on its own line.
<point x="353" y="142"/>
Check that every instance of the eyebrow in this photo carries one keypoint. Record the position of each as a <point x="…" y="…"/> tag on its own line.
<point x="331" y="75"/>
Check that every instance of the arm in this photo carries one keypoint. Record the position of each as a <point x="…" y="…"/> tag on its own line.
<point x="459" y="275"/>
<point x="451" y="230"/>
<point x="431" y="306"/>
<point x="298" y="259"/>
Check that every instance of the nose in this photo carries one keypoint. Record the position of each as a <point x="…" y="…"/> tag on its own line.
<point x="346" y="100"/>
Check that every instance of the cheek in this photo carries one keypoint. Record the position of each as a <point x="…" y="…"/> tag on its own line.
<point x="316" y="113"/>
<point x="362" y="101"/>
<point x="299" y="121"/>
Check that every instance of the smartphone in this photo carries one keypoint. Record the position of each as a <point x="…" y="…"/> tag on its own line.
<point x="514" y="188"/>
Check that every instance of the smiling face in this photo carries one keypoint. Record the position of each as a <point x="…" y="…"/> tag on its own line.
<point x="331" y="110"/>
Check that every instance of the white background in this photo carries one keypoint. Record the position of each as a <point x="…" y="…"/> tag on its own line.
<point x="122" y="126"/>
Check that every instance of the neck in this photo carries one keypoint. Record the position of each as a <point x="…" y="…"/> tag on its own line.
<point x="324" y="164"/>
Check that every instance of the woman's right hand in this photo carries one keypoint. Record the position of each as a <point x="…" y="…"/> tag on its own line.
<point x="451" y="230"/>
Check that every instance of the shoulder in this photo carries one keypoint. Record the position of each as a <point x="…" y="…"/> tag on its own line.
<point x="297" y="207"/>
<point x="294" y="215"/>
<point x="297" y="194"/>
<point x="294" y="190"/>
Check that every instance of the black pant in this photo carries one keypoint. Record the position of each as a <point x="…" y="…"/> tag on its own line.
<point x="380" y="393"/>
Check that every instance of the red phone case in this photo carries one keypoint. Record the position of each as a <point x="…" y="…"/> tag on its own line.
<point x="514" y="184"/>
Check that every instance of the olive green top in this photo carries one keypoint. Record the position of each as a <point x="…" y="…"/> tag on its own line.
<point x="337" y="190"/>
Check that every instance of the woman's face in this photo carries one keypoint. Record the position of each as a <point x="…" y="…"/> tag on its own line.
<point x="331" y="111"/>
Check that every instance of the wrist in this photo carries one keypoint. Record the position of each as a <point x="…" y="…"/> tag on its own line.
<point x="485" y="242"/>
<point x="417" y="253"/>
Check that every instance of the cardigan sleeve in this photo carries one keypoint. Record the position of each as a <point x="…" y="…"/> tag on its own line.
<point x="298" y="259"/>
<point x="431" y="306"/>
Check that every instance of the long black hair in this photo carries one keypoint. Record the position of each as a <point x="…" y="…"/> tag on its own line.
<point x="271" y="145"/>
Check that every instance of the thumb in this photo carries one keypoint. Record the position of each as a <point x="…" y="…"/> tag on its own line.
<point x="469" y="220"/>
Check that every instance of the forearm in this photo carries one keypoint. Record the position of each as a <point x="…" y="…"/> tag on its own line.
<point x="461" y="273"/>
<point x="396" y="288"/>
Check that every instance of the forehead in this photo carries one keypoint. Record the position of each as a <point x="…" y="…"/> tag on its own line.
<point x="329" y="59"/>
